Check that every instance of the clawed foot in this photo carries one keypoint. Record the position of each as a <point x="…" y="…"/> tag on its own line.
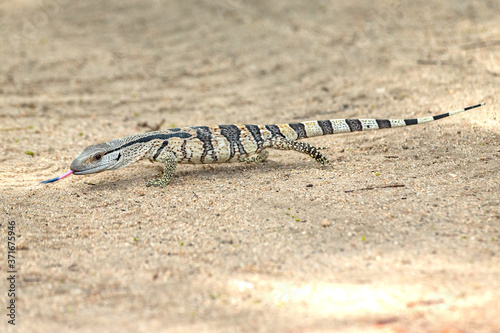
<point x="160" y="182"/>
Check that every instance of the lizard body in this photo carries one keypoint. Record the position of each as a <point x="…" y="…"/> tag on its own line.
<point x="222" y="143"/>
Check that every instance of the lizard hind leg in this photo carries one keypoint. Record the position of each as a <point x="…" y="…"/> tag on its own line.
<point x="301" y="147"/>
<point x="170" y="162"/>
<point x="257" y="158"/>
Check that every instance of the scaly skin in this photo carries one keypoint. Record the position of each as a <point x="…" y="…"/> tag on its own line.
<point x="223" y="143"/>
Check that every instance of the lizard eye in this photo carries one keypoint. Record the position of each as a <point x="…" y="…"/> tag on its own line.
<point x="97" y="157"/>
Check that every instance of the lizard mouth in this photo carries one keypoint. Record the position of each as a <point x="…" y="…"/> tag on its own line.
<point x="88" y="171"/>
<point x="85" y="172"/>
<point x="97" y="169"/>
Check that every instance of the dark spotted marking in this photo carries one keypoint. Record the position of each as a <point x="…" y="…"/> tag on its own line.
<point x="354" y="125"/>
<point x="411" y="122"/>
<point x="275" y="131"/>
<point x="255" y="131"/>
<point x="174" y="129"/>
<point x="232" y="134"/>
<point x="444" y="115"/>
<point x="183" y="150"/>
<point x="205" y="135"/>
<point x="158" y="152"/>
<point x="472" y="107"/>
<point x="383" y="123"/>
<point x="300" y="129"/>
<point x="147" y="138"/>
<point x="326" y="126"/>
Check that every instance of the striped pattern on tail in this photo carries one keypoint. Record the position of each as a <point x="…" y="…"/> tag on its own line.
<point x="296" y="131"/>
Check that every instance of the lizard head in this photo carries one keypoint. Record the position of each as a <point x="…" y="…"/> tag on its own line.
<point x="98" y="158"/>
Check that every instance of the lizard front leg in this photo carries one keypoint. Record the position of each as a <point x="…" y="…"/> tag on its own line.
<point x="170" y="162"/>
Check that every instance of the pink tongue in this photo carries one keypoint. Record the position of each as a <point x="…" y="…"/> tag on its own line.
<point x="57" y="178"/>
<point x="66" y="174"/>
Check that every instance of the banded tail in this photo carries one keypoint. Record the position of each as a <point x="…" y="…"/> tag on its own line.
<point x="296" y="131"/>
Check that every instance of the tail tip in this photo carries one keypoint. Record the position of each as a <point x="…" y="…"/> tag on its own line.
<point x="474" y="106"/>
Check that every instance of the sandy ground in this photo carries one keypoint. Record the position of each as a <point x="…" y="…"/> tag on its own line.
<point x="279" y="247"/>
